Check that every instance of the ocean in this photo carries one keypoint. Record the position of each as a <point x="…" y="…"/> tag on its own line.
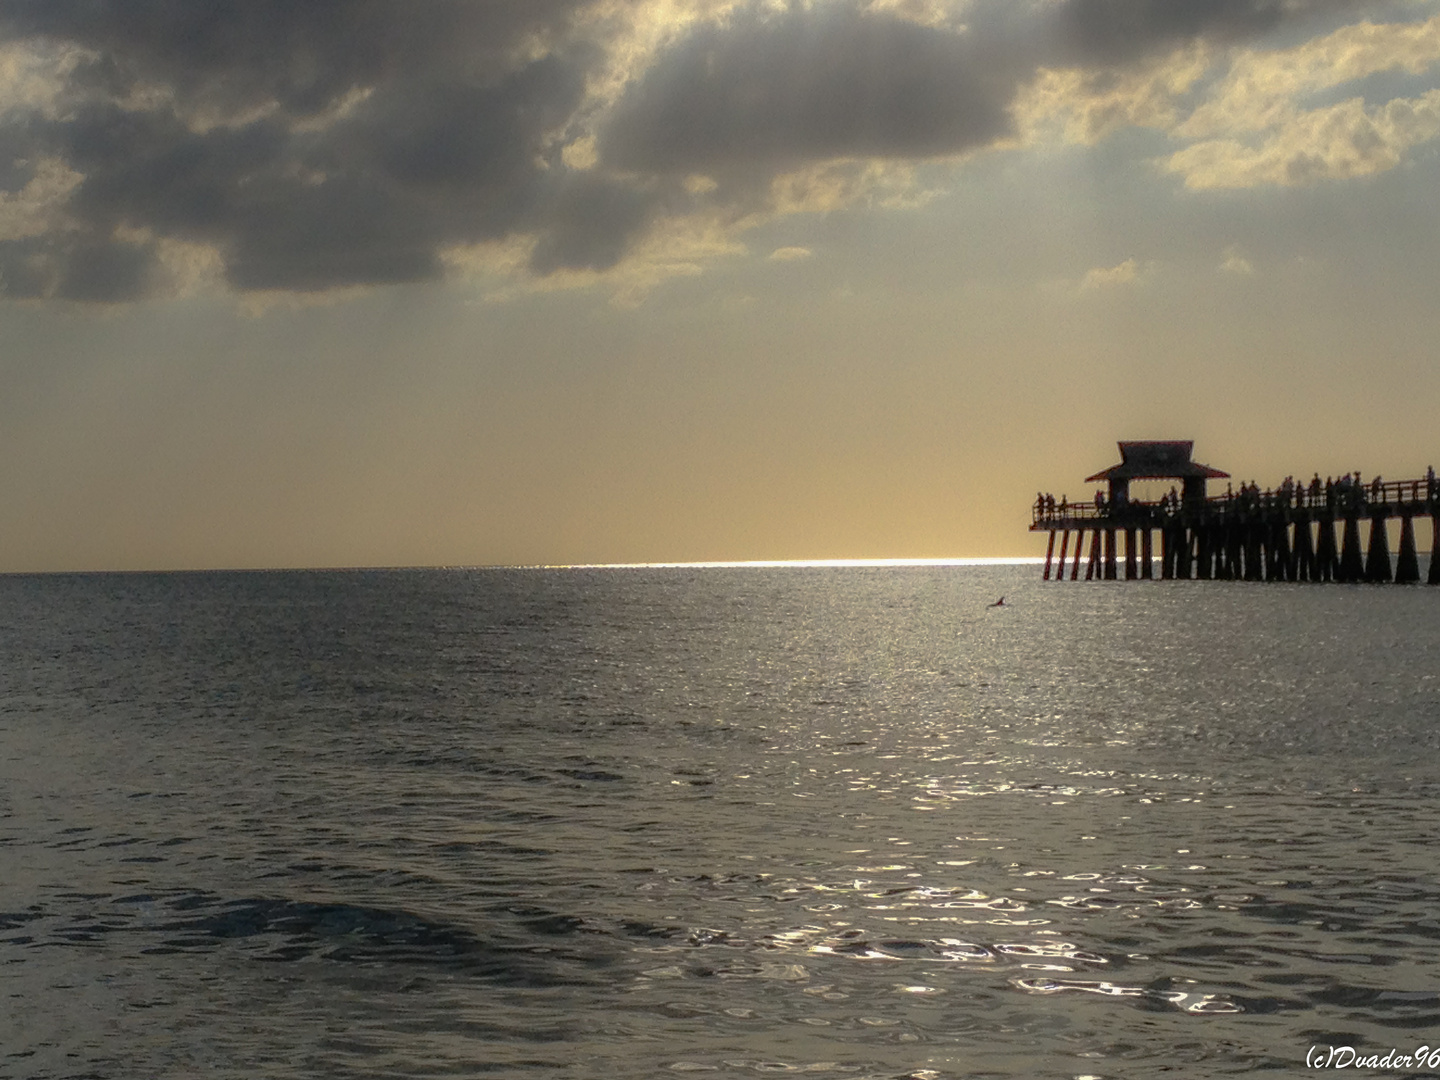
<point x="730" y="822"/>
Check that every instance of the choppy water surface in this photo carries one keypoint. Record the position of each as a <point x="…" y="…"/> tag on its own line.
<point x="735" y="822"/>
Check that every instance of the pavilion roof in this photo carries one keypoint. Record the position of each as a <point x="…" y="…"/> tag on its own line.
<point x="1157" y="460"/>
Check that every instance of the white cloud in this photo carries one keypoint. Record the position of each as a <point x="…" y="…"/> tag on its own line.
<point x="580" y="154"/>
<point x="1237" y="264"/>
<point x="1342" y="141"/>
<point x="1127" y="273"/>
<point x="33" y="75"/>
<point x="924" y="12"/>
<point x="1253" y="129"/>
<point x="39" y="205"/>
<point x="1261" y="89"/>
<point x="790" y="254"/>
<point x="1082" y="107"/>
<point x="1252" y="126"/>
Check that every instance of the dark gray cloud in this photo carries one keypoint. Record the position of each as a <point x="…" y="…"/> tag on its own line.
<point x="320" y="143"/>
<point x="1116" y="31"/>
<point x="302" y="54"/>
<point x="809" y="84"/>
<point x="591" y="220"/>
<point x="188" y="121"/>
<point x="108" y="271"/>
<point x="837" y="80"/>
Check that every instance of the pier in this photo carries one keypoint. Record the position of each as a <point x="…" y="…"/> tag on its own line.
<point x="1297" y="531"/>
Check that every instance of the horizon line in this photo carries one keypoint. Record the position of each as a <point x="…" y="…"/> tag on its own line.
<point x="1004" y="560"/>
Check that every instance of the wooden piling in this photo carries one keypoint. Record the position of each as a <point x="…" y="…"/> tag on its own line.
<point x="1433" y="578"/>
<point x="1352" y="569"/>
<point x="1064" y="548"/>
<point x="1049" y="554"/>
<point x="1377" y="558"/>
<point x="1326" y="561"/>
<point x="1079" y="543"/>
<point x="1304" y="552"/>
<point x="1131" y="569"/>
<point x="1147" y="556"/>
<point x="1254" y="551"/>
<point x="1093" y="566"/>
<point x="1231" y="569"/>
<point x="1284" y="562"/>
<point x="1407" y="567"/>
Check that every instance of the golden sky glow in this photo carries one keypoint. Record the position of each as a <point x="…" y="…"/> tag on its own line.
<point x="594" y="281"/>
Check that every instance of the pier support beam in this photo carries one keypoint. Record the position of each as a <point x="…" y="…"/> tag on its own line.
<point x="1407" y="567"/>
<point x="1167" y="552"/>
<point x="1079" y="543"/>
<point x="1377" y="558"/>
<point x="1093" y="566"/>
<point x="1284" y="561"/>
<point x="1326" y="566"/>
<point x="1131" y="569"/>
<point x="1434" y="576"/>
<point x="1109" y="554"/>
<point x="1049" y="555"/>
<point x="1204" y="556"/>
<point x="1304" y="553"/>
<point x="1235" y="550"/>
<point x="1184" y="544"/>
<point x="1147" y="556"/>
<point x="1253" y="553"/>
<point x="1064" y="550"/>
<point x="1351" y="566"/>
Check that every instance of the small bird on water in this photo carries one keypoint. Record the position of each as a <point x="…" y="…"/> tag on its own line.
<point x="997" y="603"/>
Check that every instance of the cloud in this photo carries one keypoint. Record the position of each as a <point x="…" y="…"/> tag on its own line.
<point x="148" y="146"/>
<point x="1246" y="113"/>
<point x="1340" y="142"/>
<point x="1254" y="130"/>
<point x="809" y="84"/>
<point x="1115" y="32"/>
<point x="1082" y="106"/>
<point x="310" y="146"/>
<point x="790" y="254"/>
<point x="1260" y="90"/>
<point x="1127" y="273"/>
<point x="1237" y="264"/>
<point x="36" y="207"/>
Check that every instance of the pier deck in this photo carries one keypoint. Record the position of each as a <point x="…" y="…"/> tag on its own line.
<point x="1287" y="533"/>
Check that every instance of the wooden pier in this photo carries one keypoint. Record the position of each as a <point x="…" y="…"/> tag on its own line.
<point x="1286" y="533"/>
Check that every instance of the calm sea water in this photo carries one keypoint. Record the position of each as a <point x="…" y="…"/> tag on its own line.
<point x="730" y="822"/>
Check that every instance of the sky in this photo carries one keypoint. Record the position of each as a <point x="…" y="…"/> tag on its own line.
<point x="485" y="282"/>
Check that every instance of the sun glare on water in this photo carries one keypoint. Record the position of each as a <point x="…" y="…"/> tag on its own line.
<point x="769" y="563"/>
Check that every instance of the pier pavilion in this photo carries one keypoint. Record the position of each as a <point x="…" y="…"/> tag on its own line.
<point x="1287" y="533"/>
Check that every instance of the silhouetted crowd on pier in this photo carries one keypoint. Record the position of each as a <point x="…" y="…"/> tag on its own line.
<point x="1343" y="494"/>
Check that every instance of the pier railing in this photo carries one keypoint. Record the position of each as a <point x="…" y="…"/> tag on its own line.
<point x="1287" y="533"/>
<point x="1343" y="498"/>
